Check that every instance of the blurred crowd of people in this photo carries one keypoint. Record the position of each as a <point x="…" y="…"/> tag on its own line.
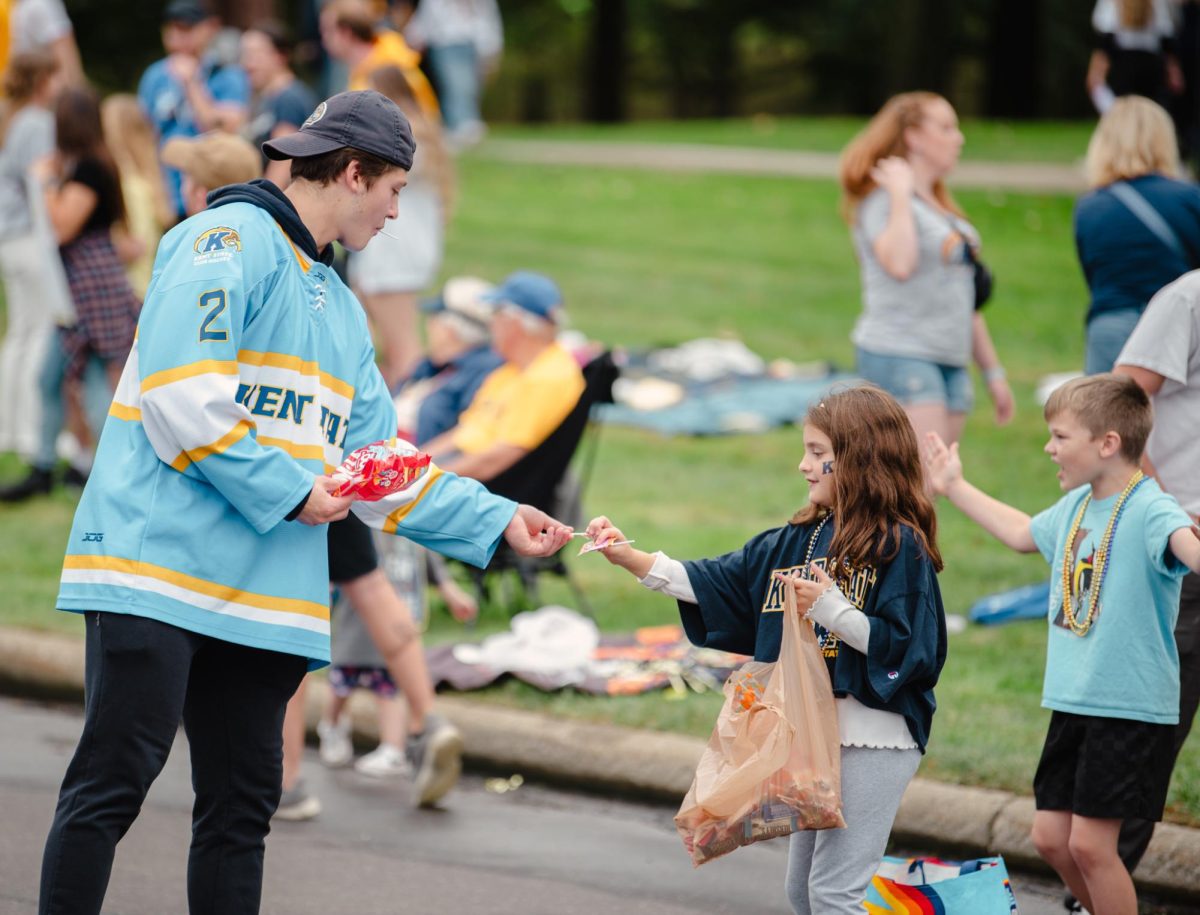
<point x="89" y="185"/>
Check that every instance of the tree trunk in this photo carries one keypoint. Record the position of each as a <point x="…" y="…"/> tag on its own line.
<point x="607" y="62"/>
<point x="1014" y="59"/>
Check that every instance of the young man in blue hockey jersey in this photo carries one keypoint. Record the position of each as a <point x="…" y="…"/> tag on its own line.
<point x="198" y="551"/>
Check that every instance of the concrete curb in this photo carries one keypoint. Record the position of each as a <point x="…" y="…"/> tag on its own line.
<point x="952" y="818"/>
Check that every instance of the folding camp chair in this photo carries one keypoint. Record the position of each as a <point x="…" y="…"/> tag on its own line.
<point x="542" y="479"/>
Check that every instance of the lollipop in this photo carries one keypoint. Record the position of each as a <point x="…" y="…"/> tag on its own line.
<point x="380" y="469"/>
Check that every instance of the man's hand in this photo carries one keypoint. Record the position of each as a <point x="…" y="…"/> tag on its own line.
<point x="534" y="533"/>
<point x="942" y="465"/>
<point x="322" y="505"/>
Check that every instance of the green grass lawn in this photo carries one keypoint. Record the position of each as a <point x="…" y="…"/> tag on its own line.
<point x="661" y="258"/>
<point x="1029" y="141"/>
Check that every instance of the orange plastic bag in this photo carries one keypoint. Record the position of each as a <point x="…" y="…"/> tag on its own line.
<point x="773" y="764"/>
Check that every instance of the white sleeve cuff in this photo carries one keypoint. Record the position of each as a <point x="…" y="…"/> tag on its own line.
<point x="833" y="611"/>
<point x="670" y="577"/>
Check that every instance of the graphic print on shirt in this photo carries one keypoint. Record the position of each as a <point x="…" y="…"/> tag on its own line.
<point x="856" y="589"/>
<point x="1081" y="581"/>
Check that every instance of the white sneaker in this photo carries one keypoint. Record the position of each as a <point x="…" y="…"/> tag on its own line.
<point x="336" y="750"/>
<point x="384" y="761"/>
<point x="435" y="756"/>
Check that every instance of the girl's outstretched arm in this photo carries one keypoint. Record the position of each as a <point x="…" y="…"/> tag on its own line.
<point x="636" y="562"/>
<point x="1009" y="525"/>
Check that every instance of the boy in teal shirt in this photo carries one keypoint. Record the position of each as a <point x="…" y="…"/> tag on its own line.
<point x="1118" y="547"/>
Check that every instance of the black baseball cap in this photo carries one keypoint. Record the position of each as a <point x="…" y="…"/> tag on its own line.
<point x="364" y="119"/>
<point x="186" y="12"/>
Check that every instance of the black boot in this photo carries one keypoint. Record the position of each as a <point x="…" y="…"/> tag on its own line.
<point x="38" y="482"/>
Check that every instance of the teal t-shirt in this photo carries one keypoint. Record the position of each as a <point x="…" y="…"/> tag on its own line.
<point x="1127" y="665"/>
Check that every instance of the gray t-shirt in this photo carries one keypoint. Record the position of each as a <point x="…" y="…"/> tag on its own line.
<point x="927" y="316"/>
<point x="29" y="137"/>
<point x="1167" y="341"/>
<point x="403" y="562"/>
<point x="36" y="24"/>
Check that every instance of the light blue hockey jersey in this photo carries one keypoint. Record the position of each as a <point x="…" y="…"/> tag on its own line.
<point x="252" y="371"/>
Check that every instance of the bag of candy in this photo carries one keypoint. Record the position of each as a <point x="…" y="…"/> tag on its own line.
<point x="773" y="764"/>
<point x="380" y="469"/>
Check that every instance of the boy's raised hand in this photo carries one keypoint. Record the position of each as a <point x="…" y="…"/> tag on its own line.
<point x="942" y="464"/>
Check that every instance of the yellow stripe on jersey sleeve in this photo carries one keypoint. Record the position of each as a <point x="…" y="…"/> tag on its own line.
<point x="225" y="442"/>
<point x="203" y="367"/>
<point x="124" y="411"/>
<point x="392" y="522"/>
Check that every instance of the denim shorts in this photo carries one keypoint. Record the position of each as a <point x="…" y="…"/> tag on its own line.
<point x="918" y="381"/>
<point x="1106" y="336"/>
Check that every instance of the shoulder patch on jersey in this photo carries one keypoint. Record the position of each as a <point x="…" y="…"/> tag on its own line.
<point x="219" y="243"/>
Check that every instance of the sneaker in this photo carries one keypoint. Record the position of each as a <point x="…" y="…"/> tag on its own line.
<point x="336" y="750"/>
<point x="74" y="478"/>
<point x="37" y="482"/>
<point x="1071" y="904"/>
<point x="385" y="761"/>
<point x="435" y="756"/>
<point x="297" y="804"/>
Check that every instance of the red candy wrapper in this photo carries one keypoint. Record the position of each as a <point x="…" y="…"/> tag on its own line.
<point x="380" y="469"/>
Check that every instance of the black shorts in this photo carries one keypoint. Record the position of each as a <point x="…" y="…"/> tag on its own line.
<point x="1107" y="768"/>
<point x="351" y="550"/>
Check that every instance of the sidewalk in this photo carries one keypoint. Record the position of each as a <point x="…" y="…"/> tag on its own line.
<point x="950" y="818"/>
<point x="1030" y="177"/>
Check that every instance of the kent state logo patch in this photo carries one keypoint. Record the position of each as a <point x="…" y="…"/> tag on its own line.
<point x="219" y="243"/>
<point x="318" y="113"/>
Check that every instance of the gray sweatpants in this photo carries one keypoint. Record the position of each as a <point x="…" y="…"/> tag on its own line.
<point x="829" y="870"/>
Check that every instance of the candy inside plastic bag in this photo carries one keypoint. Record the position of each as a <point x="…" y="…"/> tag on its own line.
<point x="380" y="469"/>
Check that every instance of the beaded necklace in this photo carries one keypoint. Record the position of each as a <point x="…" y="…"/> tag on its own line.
<point x="1100" y="563"/>
<point x="812" y="545"/>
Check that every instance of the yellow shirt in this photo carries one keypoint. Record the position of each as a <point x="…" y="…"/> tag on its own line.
<point x="390" y="50"/>
<point x="521" y="407"/>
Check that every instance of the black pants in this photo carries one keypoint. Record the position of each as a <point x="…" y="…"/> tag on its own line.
<point x="1136" y="834"/>
<point x="142" y="677"/>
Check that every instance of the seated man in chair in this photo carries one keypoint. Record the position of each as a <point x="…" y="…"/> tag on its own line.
<point x="521" y="403"/>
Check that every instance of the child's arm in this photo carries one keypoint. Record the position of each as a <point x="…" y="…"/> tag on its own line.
<point x="636" y="562"/>
<point x="1009" y="525"/>
<point x="1186" y="546"/>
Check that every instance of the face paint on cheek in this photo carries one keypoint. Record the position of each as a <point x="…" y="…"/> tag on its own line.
<point x="827" y="467"/>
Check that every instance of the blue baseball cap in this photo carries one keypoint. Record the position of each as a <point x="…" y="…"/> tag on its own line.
<point x="363" y="119"/>
<point x="532" y="292"/>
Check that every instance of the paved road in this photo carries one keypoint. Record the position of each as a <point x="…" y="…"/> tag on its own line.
<point x="529" y="851"/>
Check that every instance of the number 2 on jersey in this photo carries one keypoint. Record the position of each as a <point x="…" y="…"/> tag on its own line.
<point x="215" y="300"/>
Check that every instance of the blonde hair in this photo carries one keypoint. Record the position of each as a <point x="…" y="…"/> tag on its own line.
<point x="427" y="131"/>
<point x="130" y="139"/>
<point x="24" y="76"/>
<point x="1135" y="14"/>
<point x="1106" y="403"/>
<point x="883" y="137"/>
<point x="1135" y="137"/>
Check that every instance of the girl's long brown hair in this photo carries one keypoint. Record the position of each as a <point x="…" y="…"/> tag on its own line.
<point x="881" y="138"/>
<point x="878" y="481"/>
<point x="427" y="132"/>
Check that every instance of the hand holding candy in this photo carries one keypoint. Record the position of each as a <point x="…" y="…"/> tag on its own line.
<point x="607" y="539"/>
<point x="807" y="589"/>
<point x="380" y="469"/>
